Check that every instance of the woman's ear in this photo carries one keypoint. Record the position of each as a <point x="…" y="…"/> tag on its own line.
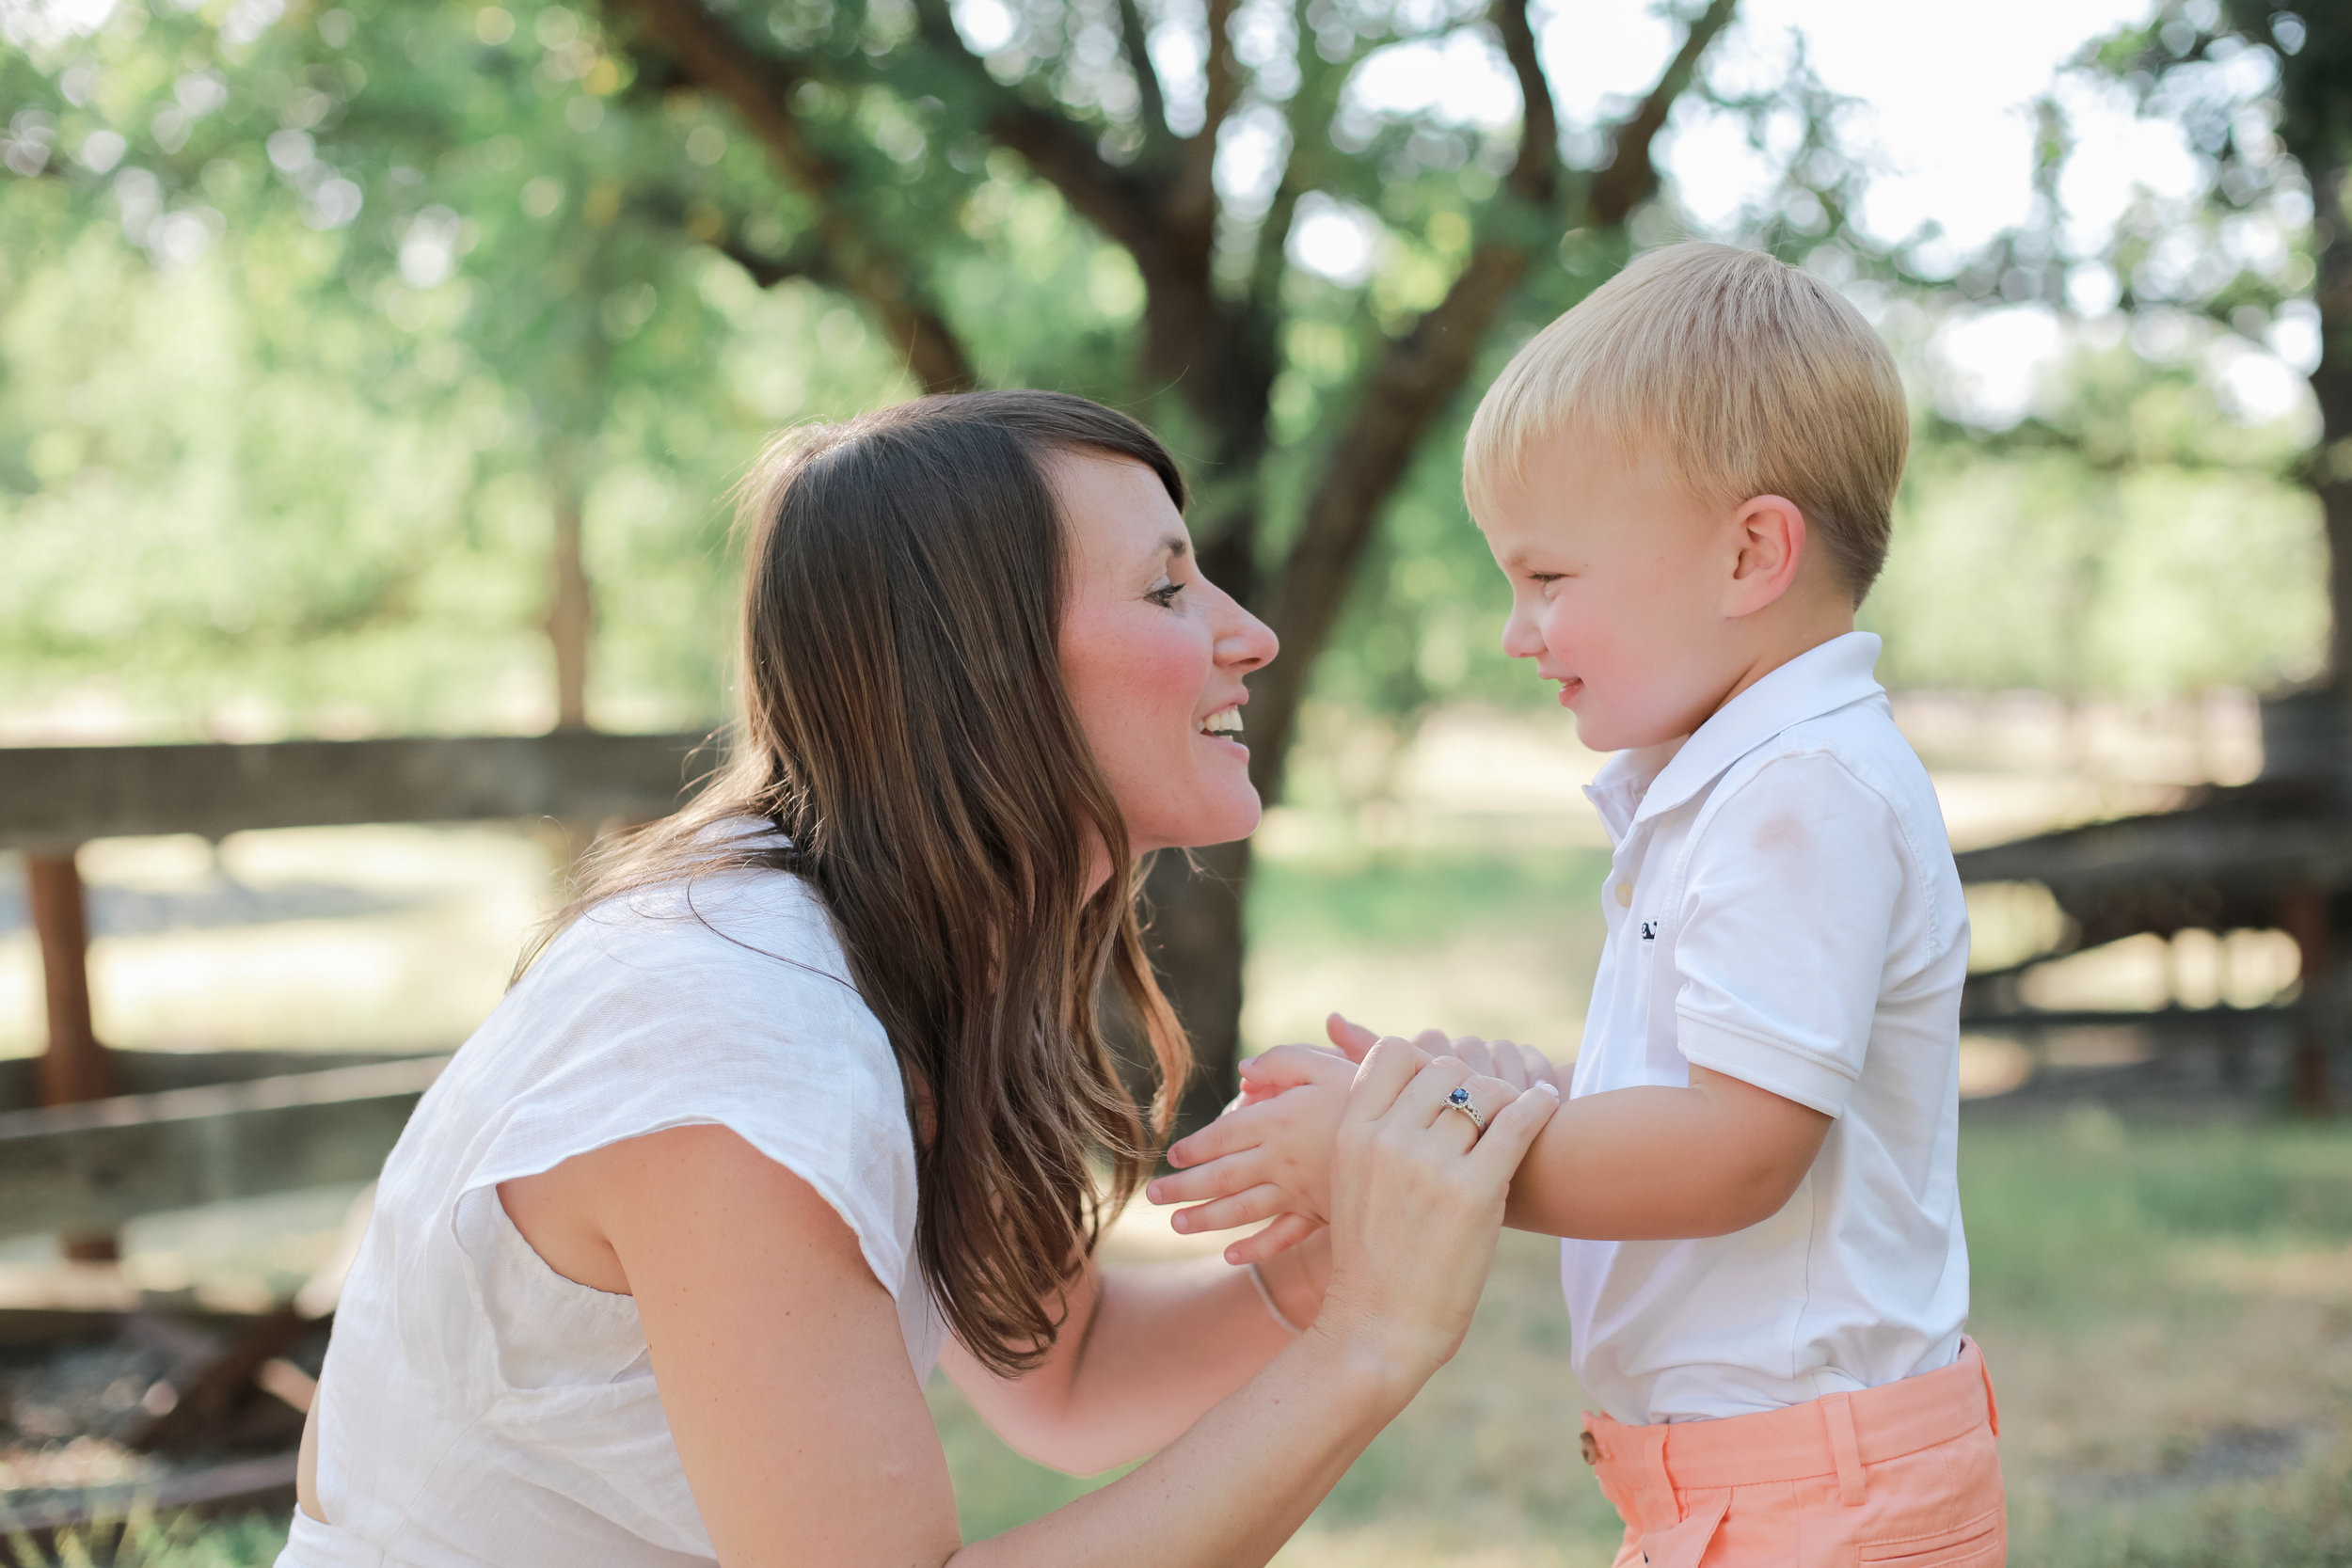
<point x="1768" y="534"/>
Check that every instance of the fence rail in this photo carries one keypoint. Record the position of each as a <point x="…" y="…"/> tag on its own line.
<point x="52" y="797"/>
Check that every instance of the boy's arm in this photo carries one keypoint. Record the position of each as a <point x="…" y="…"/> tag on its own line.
<point x="1648" y="1163"/>
<point x="1653" y="1163"/>
<point x="1656" y="1164"/>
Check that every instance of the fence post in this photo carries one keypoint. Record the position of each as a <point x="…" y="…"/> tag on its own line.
<point x="75" y="1067"/>
<point x="2305" y="915"/>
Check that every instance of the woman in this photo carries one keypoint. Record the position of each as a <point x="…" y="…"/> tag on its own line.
<point x="810" y="1091"/>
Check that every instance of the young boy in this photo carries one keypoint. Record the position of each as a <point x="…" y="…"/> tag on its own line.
<point x="1688" y="481"/>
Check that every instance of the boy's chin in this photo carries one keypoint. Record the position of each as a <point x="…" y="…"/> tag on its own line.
<point x="1595" y="731"/>
<point x="1606" y="732"/>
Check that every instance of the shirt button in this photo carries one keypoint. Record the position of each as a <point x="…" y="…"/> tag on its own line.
<point x="1625" y="896"/>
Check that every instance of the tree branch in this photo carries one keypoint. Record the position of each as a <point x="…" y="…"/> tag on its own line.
<point x="1193" y="204"/>
<point x="759" y="89"/>
<point x="1137" y="41"/>
<point x="1308" y="115"/>
<point x="1061" y="151"/>
<point x="1534" y="174"/>
<point x="1630" y="175"/>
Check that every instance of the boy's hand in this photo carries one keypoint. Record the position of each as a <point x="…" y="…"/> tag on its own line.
<point x="1522" y="1066"/>
<point x="1272" y="1157"/>
<point x="1351" y="1040"/>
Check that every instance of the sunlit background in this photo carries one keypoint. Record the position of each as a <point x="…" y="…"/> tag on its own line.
<point x="381" y="369"/>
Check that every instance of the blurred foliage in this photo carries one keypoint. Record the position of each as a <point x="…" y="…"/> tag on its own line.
<point x="2142" y="527"/>
<point x="309" y="317"/>
<point x="1403" y="897"/>
<point x="277" y="422"/>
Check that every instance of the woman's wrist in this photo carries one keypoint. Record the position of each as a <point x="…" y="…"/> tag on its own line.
<point x="1388" y="1360"/>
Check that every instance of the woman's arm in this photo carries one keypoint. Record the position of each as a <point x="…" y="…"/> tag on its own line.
<point x="804" y="1433"/>
<point x="1145" y="1351"/>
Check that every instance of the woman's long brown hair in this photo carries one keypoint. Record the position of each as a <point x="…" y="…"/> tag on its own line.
<point x="904" y="724"/>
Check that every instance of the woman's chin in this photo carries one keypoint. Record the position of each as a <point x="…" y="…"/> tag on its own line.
<point x="1221" y="821"/>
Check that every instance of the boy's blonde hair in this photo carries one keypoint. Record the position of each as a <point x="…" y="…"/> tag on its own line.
<point x="1743" y="375"/>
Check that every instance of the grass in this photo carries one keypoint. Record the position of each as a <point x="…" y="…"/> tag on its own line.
<point x="143" y="1542"/>
<point x="1397" y="899"/>
<point x="1479" y="942"/>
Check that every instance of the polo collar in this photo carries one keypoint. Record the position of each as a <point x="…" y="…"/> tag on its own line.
<point x="1634" y="786"/>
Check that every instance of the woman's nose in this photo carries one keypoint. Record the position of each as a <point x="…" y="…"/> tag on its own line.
<point x="1244" y="641"/>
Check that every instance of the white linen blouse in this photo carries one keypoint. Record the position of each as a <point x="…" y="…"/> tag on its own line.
<point x="478" y="1408"/>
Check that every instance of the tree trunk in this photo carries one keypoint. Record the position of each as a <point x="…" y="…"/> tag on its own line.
<point x="1195" y="938"/>
<point x="2329" y="465"/>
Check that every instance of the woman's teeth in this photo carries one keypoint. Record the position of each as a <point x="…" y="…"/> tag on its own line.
<point x="1226" y="722"/>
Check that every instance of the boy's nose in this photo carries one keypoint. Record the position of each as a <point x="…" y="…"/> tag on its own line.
<point x="1520" y="639"/>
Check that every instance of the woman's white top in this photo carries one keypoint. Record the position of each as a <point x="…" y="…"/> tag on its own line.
<point x="479" y="1408"/>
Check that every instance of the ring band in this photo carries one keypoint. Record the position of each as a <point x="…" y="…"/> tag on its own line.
<point x="1460" y="1101"/>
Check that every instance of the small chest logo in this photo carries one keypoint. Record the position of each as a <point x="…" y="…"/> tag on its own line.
<point x="1649" y="930"/>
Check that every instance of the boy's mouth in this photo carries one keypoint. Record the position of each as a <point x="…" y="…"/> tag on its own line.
<point x="1571" y="687"/>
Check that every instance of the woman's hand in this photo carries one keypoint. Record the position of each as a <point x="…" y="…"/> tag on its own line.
<point x="1273" y="1158"/>
<point x="1417" y="1195"/>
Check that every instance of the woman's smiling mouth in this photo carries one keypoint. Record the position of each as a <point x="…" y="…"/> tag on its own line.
<point x="1224" y="724"/>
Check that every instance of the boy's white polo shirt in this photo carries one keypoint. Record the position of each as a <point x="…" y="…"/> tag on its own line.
<point x="1783" y="908"/>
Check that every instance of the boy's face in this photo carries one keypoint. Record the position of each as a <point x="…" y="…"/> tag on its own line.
<point x="1618" y="580"/>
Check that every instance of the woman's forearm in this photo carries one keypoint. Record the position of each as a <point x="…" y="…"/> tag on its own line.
<point x="1149" y="1349"/>
<point x="1228" y="1492"/>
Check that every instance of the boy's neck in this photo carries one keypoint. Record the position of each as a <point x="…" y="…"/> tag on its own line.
<point x="1788" y="638"/>
<point x="1793" y="638"/>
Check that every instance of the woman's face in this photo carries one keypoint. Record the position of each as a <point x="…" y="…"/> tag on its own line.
<point x="1153" y="656"/>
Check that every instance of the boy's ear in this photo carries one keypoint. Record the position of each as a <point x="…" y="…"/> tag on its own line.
<point x="1768" y="536"/>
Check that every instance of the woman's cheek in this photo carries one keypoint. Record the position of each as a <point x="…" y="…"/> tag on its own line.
<point x="1178" y="673"/>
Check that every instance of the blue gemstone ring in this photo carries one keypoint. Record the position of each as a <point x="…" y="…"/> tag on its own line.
<point x="1460" y="1101"/>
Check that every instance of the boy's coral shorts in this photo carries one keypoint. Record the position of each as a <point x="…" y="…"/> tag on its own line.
<point x="1905" y="1475"/>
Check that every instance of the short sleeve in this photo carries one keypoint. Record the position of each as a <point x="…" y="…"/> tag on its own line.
<point x="1785" y="927"/>
<point x="734" y="1012"/>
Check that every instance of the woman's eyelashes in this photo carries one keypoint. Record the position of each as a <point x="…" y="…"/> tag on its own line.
<point x="1164" y="595"/>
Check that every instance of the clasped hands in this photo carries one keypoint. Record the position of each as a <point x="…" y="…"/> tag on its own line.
<point x="1269" y="1156"/>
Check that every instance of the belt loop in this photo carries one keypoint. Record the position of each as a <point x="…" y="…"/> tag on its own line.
<point x="1662" y="1482"/>
<point x="1991" y="1406"/>
<point x="1837" y="1410"/>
